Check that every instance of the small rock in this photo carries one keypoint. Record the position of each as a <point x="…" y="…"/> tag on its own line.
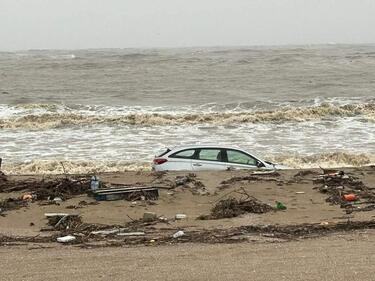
<point x="149" y="216"/>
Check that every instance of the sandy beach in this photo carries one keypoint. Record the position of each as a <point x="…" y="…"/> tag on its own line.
<point x="294" y="188"/>
<point x="310" y="235"/>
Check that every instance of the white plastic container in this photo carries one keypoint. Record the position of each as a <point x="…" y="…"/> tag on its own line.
<point x="178" y="234"/>
<point x="66" y="239"/>
<point x="180" y="216"/>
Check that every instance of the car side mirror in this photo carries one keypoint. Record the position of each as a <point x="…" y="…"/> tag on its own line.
<point x="260" y="164"/>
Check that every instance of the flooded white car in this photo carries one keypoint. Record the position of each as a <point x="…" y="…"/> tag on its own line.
<point x="203" y="158"/>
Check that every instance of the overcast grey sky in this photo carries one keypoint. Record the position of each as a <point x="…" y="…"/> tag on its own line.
<point x="71" y="24"/>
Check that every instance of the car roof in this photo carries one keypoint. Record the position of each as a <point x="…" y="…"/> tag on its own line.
<point x="204" y="146"/>
<point x="195" y="146"/>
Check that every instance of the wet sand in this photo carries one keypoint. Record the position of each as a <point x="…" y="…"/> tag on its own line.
<point x="337" y="257"/>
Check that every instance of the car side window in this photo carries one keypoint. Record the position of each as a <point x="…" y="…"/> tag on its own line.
<point x="187" y="154"/>
<point x="239" y="157"/>
<point x="210" y="154"/>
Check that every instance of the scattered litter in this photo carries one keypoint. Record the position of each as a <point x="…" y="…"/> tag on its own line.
<point x="182" y="180"/>
<point x="280" y="206"/>
<point x="231" y="207"/>
<point x="180" y="216"/>
<point x="108" y="231"/>
<point x="255" y="176"/>
<point x="66" y="239"/>
<point x="57" y="200"/>
<point x="219" y="235"/>
<point x="342" y="189"/>
<point x="49" y="215"/>
<point x="163" y="219"/>
<point x="94" y="183"/>
<point x="12" y="204"/>
<point x="27" y="197"/>
<point x="350" y="197"/>
<point x="127" y="193"/>
<point x="47" y="188"/>
<point x="178" y="234"/>
<point x="304" y="173"/>
<point x="81" y="204"/>
<point x="62" y="221"/>
<point x="130" y="234"/>
<point x="266" y="173"/>
<point x="191" y="182"/>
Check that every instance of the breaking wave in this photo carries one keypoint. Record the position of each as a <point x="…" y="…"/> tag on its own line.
<point x="325" y="160"/>
<point x="38" y="167"/>
<point x="54" y="118"/>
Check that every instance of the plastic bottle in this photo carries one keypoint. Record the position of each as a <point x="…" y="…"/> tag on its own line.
<point x="94" y="184"/>
<point x="280" y="206"/>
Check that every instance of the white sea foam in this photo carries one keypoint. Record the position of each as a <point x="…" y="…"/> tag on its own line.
<point x="72" y="167"/>
<point x="52" y="116"/>
<point x="327" y="160"/>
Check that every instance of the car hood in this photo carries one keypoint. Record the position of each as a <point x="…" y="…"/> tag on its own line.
<point x="280" y="167"/>
<point x="276" y="166"/>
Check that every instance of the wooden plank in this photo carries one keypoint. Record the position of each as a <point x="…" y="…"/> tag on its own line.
<point x="126" y="192"/>
<point x="111" y="190"/>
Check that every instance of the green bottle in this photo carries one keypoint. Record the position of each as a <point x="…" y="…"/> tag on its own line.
<point x="280" y="206"/>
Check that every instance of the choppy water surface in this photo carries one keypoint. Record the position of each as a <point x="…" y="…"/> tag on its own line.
<point x="112" y="110"/>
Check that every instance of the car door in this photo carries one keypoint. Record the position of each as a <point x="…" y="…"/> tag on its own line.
<point x="237" y="159"/>
<point x="181" y="160"/>
<point x="208" y="159"/>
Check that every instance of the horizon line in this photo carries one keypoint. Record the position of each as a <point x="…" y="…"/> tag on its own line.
<point x="269" y="46"/>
